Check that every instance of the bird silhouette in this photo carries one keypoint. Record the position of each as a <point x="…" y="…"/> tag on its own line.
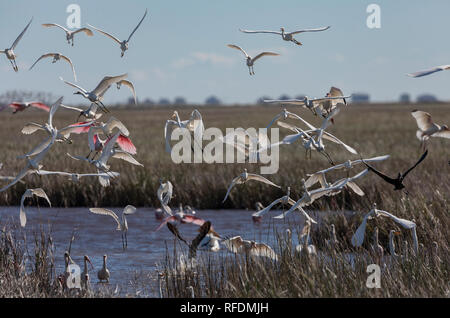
<point x="204" y="230"/>
<point x="397" y="182"/>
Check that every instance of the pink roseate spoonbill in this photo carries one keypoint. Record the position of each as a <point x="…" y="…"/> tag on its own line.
<point x="427" y="128"/>
<point x="181" y="217"/>
<point x="69" y="34"/>
<point x="10" y="55"/>
<point x="29" y="194"/>
<point x="96" y="96"/>
<point x="398" y="181"/>
<point x="21" y="106"/>
<point x="56" y="57"/>
<point x="96" y="144"/>
<point x="251" y="248"/>
<point x="103" y="274"/>
<point x="123" y="44"/>
<point x="429" y="71"/>
<point x="244" y="177"/>
<point x="122" y="224"/>
<point x="251" y="60"/>
<point x="287" y="36"/>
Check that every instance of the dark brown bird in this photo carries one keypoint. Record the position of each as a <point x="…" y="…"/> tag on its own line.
<point x="397" y="182"/>
<point x="204" y="230"/>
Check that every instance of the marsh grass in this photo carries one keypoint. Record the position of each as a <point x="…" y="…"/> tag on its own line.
<point x="373" y="130"/>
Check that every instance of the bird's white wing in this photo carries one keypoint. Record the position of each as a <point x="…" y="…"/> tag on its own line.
<point x="87" y="31"/>
<point x="106" y="82"/>
<point x="310" y="30"/>
<point x="42" y="57"/>
<point x="429" y="71"/>
<point x="46" y="173"/>
<point x="264" y="54"/>
<point x="423" y="119"/>
<point x="137" y="26"/>
<point x="260" y="31"/>
<point x="65" y="58"/>
<point x="404" y="223"/>
<point x="18" y="178"/>
<point x="53" y="110"/>
<point x="107" y="151"/>
<point x="131" y="86"/>
<point x="119" y="154"/>
<point x="20" y="35"/>
<point x="238" y="48"/>
<point x="278" y="116"/>
<point x="232" y="184"/>
<point x="330" y="137"/>
<point x="263" y="250"/>
<point x="47" y="25"/>
<point x="115" y="123"/>
<point x="72" y="108"/>
<point x="358" y="237"/>
<point x="352" y="185"/>
<point x="103" y="211"/>
<point x="73" y="85"/>
<point x="106" y="33"/>
<point x="445" y="133"/>
<point x="267" y="208"/>
<point x="31" y="128"/>
<point x="234" y="244"/>
<point x="252" y="176"/>
<point x="295" y="116"/>
<point x="38" y="149"/>
<point x="28" y="194"/>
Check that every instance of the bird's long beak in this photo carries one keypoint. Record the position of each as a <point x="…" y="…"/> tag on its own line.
<point x="89" y="260"/>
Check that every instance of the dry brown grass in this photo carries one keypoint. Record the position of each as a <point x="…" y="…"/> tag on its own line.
<point x="372" y="130"/>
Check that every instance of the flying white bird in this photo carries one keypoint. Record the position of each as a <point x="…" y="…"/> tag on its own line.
<point x="284" y="200"/>
<point x="29" y="194"/>
<point x="122" y="224"/>
<point x="251" y="248"/>
<point x="319" y="176"/>
<point x="123" y="44"/>
<point x="96" y="96"/>
<point x="288" y="36"/>
<point x="88" y="113"/>
<point x="310" y="196"/>
<point x="429" y="71"/>
<point x="249" y="60"/>
<point x="427" y="128"/>
<point x="244" y="177"/>
<point x="75" y="177"/>
<point x="194" y="125"/>
<point x="10" y="55"/>
<point x="56" y="57"/>
<point x="69" y="34"/>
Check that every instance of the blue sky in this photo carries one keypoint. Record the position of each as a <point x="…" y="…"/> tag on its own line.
<point x="180" y="48"/>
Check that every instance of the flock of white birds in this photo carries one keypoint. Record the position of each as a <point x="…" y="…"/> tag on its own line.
<point x="117" y="144"/>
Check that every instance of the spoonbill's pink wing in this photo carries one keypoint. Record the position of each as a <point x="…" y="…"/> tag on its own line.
<point x="126" y="145"/>
<point x="41" y="106"/>
<point x="192" y="219"/>
<point x="79" y="128"/>
<point x="167" y="219"/>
